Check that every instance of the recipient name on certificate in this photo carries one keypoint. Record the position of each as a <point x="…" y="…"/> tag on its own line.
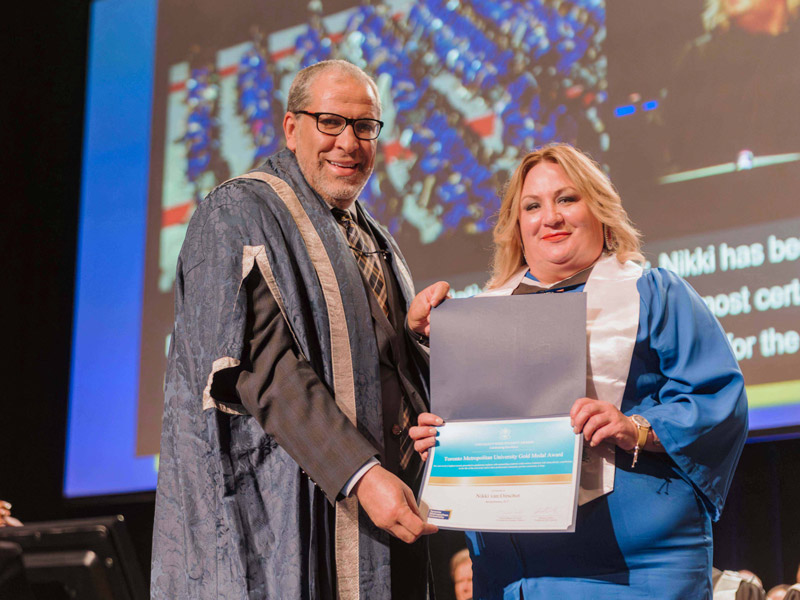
<point x="503" y="475"/>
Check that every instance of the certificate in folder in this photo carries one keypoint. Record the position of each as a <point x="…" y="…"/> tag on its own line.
<point x="505" y="372"/>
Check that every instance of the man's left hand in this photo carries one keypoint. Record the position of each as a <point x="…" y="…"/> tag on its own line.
<point x="419" y="313"/>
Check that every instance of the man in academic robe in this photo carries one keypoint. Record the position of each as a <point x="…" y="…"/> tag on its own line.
<point x="286" y="468"/>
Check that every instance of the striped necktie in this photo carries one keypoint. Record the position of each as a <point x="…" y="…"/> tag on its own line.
<point x="406" y="443"/>
<point x="371" y="268"/>
<point x="367" y="261"/>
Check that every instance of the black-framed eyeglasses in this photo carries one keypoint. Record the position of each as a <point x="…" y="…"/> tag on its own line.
<point x="333" y="124"/>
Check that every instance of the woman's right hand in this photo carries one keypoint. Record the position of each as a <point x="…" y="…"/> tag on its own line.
<point x="424" y="433"/>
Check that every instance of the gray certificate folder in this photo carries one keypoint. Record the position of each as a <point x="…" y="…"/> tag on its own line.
<point x="508" y="357"/>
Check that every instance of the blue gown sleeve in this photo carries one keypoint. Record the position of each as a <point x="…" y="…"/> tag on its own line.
<point x="696" y="399"/>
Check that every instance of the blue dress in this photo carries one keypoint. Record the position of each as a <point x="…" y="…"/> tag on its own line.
<point x="651" y="536"/>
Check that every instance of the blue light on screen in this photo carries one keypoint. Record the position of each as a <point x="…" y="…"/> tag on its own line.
<point x="622" y="111"/>
<point x="100" y="453"/>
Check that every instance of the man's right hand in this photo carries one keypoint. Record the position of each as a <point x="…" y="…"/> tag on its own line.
<point x="390" y="504"/>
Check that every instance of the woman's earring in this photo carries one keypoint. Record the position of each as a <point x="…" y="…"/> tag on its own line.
<point x="609" y="242"/>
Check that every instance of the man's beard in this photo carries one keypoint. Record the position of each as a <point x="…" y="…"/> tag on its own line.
<point x="335" y="191"/>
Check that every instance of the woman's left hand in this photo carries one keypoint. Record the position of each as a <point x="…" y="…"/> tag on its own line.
<point x="600" y="421"/>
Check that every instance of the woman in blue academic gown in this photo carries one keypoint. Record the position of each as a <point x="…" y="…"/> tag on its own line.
<point x="665" y="419"/>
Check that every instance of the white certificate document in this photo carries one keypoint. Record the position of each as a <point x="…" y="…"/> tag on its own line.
<point x="503" y="475"/>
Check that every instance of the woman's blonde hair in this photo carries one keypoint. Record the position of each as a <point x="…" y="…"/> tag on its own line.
<point x="621" y="237"/>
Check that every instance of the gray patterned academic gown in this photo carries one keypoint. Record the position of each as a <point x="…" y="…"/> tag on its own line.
<point x="236" y="517"/>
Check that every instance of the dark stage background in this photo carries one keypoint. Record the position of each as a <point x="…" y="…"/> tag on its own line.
<point x="42" y="112"/>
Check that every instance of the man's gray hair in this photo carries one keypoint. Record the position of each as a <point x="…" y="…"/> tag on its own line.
<point x="299" y="92"/>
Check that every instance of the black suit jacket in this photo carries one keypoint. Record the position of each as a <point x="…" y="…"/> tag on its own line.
<point x="273" y="375"/>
